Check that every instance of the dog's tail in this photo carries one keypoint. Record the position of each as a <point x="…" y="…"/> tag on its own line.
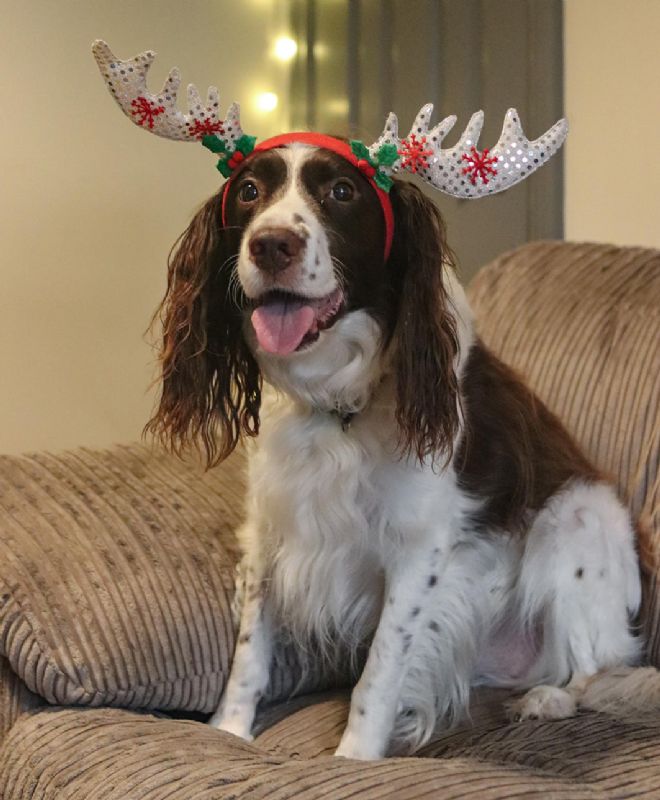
<point x="622" y="691"/>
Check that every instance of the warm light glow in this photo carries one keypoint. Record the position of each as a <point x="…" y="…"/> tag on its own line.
<point x="285" y="48"/>
<point x="338" y="106"/>
<point x="266" y="101"/>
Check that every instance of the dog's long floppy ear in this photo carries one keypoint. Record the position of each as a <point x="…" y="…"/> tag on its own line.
<point x="211" y="384"/>
<point x="425" y="343"/>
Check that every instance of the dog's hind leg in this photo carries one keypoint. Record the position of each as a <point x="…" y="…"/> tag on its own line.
<point x="579" y="582"/>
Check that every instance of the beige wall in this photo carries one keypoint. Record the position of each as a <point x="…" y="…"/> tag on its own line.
<point x="90" y="205"/>
<point x="612" y="84"/>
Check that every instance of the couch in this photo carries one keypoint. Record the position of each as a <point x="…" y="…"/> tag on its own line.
<point x="117" y="576"/>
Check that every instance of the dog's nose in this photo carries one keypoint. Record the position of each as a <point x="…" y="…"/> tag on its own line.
<point x="275" y="249"/>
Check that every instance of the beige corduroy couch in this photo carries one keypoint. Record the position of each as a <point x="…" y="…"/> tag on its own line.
<point x="117" y="574"/>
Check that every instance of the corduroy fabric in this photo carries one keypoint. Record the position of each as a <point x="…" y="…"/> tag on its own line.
<point x="109" y="754"/>
<point x="118" y="576"/>
<point x="117" y="580"/>
<point x="15" y="698"/>
<point x="117" y="755"/>
<point x="581" y="324"/>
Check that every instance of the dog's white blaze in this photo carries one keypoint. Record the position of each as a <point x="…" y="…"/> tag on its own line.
<point x="315" y="276"/>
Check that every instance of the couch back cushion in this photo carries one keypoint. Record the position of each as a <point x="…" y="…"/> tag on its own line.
<point x="581" y="324"/>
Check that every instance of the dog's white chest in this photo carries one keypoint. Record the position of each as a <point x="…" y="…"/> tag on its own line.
<point x="312" y="489"/>
<point x="332" y="506"/>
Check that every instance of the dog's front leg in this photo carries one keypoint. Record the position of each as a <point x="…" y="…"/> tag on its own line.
<point x="375" y="699"/>
<point x="251" y="665"/>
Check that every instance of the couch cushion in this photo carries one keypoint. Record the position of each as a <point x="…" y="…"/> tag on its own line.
<point x="15" y="698"/>
<point x="118" y="576"/>
<point x="581" y="323"/>
<point x="108" y="754"/>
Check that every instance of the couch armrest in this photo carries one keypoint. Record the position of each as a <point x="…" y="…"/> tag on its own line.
<point x="15" y="698"/>
<point x="117" y="576"/>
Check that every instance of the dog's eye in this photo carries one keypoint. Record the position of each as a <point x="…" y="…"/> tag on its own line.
<point x="248" y="192"/>
<point x="342" y="191"/>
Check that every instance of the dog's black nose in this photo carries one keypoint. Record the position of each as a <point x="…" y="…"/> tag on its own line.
<point x="275" y="249"/>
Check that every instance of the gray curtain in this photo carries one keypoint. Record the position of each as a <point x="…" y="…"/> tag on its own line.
<point x="359" y="59"/>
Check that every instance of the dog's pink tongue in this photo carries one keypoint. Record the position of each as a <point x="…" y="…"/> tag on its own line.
<point x="282" y="325"/>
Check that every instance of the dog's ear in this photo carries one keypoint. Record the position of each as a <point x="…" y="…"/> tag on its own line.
<point x="211" y="384"/>
<point x="425" y="343"/>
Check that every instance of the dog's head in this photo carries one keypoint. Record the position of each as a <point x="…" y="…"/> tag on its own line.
<point x="296" y="284"/>
<point x="288" y="271"/>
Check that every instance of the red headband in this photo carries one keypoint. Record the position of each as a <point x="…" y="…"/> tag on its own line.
<point x="344" y="150"/>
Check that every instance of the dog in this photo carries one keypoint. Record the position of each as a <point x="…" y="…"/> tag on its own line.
<point x="406" y="491"/>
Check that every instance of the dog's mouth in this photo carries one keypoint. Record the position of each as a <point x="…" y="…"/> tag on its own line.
<point x="285" y="322"/>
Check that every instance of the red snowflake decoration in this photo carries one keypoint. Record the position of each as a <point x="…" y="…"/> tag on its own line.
<point x="479" y="165"/>
<point x="145" y="111"/>
<point x="205" y="127"/>
<point x="413" y="155"/>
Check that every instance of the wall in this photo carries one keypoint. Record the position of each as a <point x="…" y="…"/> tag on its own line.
<point x="90" y="205"/>
<point x="612" y="75"/>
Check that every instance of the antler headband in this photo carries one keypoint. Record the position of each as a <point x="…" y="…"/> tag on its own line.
<point x="461" y="171"/>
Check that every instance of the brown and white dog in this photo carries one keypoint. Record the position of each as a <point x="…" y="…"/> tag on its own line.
<point x="405" y="490"/>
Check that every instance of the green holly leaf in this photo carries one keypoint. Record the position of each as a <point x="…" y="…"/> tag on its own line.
<point x="361" y="150"/>
<point x="223" y="167"/>
<point x="246" y="144"/>
<point x="387" y="155"/>
<point x="212" y="143"/>
<point x="383" y="181"/>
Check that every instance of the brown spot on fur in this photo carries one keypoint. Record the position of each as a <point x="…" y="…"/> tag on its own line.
<point x="514" y="453"/>
<point x="426" y="342"/>
<point x="211" y="384"/>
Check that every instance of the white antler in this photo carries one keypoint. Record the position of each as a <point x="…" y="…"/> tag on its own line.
<point x="462" y="170"/>
<point x="157" y="113"/>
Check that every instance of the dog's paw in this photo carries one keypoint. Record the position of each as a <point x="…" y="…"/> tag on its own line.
<point x="543" y="702"/>
<point x="234" y="724"/>
<point x="351" y="747"/>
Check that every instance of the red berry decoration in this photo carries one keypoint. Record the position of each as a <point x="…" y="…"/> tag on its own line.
<point x="368" y="169"/>
<point x="479" y="165"/>
<point x="236" y="159"/>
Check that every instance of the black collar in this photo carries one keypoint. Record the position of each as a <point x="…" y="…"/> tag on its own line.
<point x="345" y="417"/>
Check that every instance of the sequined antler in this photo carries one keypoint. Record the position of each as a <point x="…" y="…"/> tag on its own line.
<point x="462" y="170"/>
<point x="157" y="113"/>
